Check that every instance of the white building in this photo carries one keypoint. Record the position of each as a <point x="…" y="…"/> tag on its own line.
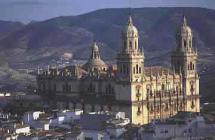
<point x="66" y="116"/>
<point x="30" y="116"/>
<point x="103" y="126"/>
<point x="17" y="129"/>
<point x="182" y="126"/>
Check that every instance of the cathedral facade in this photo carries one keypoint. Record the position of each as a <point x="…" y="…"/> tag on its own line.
<point x="143" y="93"/>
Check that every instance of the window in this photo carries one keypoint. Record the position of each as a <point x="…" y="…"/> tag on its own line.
<point x="192" y="105"/>
<point x="137" y="69"/>
<point x="44" y="87"/>
<point x="135" y="44"/>
<point x="138" y="111"/>
<point x="88" y="138"/>
<point x="109" y="90"/>
<point x="91" y="88"/>
<point x="192" y="87"/>
<point x="162" y="87"/>
<point x="63" y="87"/>
<point x="190" y="43"/>
<point x="138" y="92"/>
<point x="130" y="44"/>
<point x="148" y="91"/>
<point x="185" y="44"/>
<point x="66" y="87"/>
<point x="151" y="108"/>
<point x="124" y="68"/>
<point x="166" y="106"/>
<point x="49" y="87"/>
<point x="54" y="87"/>
<point x="191" y="66"/>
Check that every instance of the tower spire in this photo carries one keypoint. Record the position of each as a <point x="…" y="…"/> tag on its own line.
<point x="184" y="21"/>
<point x="95" y="51"/>
<point x="130" y="21"/>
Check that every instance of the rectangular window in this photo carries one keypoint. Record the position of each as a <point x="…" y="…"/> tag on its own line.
<point x="88" y="138"/>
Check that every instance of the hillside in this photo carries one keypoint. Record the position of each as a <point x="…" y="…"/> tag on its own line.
<point x="7" y="27"/>
<point x="40" y="42"/>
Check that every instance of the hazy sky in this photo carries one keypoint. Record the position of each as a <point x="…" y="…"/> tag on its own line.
<point x="28" y="10"/>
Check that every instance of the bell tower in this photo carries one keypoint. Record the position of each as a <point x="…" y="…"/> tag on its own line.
<point x="130" y="59"/>
<point x="184" y="57"/>
<point x="130" y="73"/>
<point x="184" y="62"/>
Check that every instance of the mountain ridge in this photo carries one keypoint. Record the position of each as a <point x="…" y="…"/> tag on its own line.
<point x="39" y="43"/>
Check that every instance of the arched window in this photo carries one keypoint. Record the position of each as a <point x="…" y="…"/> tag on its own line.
<point x="138" y="94"/>
<point x="91" y="88"/>
<point x="44" y="87"/>
<point x="109" y="90"/>
<point x="192" y="105"/>
<point x="138" y="110"/>
<point x="123" y="68"/>
<point x="135" y="44"/>
<point x="137" y="69"/>
<point x="66" y="86"/>
<point x="63" y="87"/>
<point x="166" y="106"/>
<point x="191" y="66"/>
<point x="54" y="87"/>
<point x="185" y="44"/>
<point x="151" y="108"/>
<point x="162" y="87"/>
<point x="130" y="44"/>
<point x="190" y="43"/>
<point x="149" y="91"/>
<point x="192" y="87"/>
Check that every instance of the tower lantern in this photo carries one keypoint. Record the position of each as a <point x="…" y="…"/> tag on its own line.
<point x="184" y="62"/>
<point x="130" y="60"/>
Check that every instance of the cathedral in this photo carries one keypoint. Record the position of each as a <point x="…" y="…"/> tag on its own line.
<point x="143" y="93"/>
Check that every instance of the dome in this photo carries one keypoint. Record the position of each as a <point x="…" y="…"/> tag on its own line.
<point x="95" y="47"/>
<point x="95" y="62"/>
<point x="185" y="30"/>
<point x="130" y="29"/>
